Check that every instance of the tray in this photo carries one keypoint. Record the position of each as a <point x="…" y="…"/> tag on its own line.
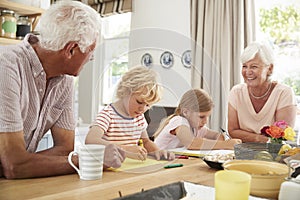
<point x="168" y="192"/>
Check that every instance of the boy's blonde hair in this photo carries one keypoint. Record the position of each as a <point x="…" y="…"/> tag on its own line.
<point x="140" y="80"/>
<point x="196" y="100"/>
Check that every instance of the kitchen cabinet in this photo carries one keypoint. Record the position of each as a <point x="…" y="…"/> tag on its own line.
<point x="20" y="9"/>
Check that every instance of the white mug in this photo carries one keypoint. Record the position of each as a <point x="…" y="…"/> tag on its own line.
<point x="90" y="158"/>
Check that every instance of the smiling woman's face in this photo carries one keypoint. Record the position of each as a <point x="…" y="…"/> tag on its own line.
<point x="255" y="72"/>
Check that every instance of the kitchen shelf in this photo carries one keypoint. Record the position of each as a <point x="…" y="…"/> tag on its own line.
<point x="7" y="41"/>
<point x="19" y="9"/>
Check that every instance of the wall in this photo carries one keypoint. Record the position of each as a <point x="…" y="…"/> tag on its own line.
<point x="158" y="26"/>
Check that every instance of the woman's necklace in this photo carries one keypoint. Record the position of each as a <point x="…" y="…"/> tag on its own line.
<point x="262" y="96"/>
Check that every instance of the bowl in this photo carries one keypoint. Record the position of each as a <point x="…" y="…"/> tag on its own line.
<point x="217" y="160"/>
<point x="214" y="164"/>
<point x="266" y="176"/>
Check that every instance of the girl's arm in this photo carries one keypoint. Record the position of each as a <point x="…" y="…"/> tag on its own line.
<point x="213" y="144"/>
<point x="214" y="135"/>
<point x="195" y="143"/>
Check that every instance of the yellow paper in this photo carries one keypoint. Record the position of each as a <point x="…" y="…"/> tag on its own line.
<point x="198" y="153"/>
<point x="133" y="165"/>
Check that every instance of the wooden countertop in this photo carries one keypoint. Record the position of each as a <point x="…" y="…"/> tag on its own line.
<point x="71" y="187"/>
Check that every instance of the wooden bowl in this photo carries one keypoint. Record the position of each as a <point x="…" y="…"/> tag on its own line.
<point x="266" y="176"/>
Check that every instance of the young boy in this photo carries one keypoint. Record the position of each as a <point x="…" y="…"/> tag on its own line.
<point x="123" y="122"/>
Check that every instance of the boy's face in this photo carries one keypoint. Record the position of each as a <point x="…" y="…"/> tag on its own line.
<point x="135" y="105"/>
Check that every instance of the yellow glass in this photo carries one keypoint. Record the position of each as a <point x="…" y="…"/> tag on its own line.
<point x="232" y="185"/>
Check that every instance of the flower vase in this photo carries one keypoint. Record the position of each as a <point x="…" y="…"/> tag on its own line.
<point x="273" y="148"/>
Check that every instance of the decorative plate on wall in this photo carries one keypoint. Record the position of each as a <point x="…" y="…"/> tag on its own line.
<point x="167" y="59"/>
<point x="147" y="60"/>
<point x="186" y="59"/>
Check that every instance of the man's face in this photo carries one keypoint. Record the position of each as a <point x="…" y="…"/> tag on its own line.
<point x="79" y="59"/>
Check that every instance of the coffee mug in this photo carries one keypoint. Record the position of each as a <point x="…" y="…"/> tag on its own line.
<point x="90" y="158"/>
<point x="232" y="185"/>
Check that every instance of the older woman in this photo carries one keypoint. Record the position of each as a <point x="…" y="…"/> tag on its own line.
<point x="258" y="101"/>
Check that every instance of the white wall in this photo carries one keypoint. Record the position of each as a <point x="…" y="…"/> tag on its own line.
<point x="158" y="26"/>
<point x="154" y="29"/>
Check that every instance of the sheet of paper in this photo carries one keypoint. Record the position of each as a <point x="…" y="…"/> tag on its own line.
<point x="131" y="165"/>
<point x="199" y="153"/>
<point x="195" y="192"/>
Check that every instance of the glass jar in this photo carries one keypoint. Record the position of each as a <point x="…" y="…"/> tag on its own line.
<point x="23" y="27"/>
<point x="8" y="24"/>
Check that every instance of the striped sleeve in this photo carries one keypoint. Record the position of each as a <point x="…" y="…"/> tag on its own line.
<point x="103" y="118"/>
<point x="120" y="130"/>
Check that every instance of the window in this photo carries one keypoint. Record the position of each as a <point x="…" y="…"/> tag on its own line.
<point x="95" y="85"/>
<point x="278" y="23"/>
<point x="114" y="54"/>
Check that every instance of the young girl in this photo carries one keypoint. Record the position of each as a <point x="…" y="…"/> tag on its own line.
<point x="186" y="127"/>
<point x="123" y="122"/>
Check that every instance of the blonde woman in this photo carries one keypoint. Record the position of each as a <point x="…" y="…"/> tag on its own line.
<point x="186" y="127"/>
<point x="123" y="122"/>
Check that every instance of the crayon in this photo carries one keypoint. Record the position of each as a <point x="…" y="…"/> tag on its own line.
<point x="140" y="143"/>
<point x="173" y="165"/>
<point x="182" y="157"/>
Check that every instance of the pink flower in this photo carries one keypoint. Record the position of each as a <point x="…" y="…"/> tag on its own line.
<point x="281" y="124"/>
